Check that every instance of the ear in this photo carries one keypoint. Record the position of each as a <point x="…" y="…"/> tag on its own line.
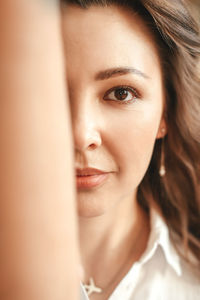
<point x="162" y="130"/>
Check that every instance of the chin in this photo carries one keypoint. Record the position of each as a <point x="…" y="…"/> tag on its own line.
<point x="90" y="211"/>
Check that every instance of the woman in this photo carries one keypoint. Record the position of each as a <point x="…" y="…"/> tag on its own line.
<point x="134" y="94"/>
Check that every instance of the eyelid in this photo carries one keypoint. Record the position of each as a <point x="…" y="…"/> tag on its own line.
<point x="128" y="87"/>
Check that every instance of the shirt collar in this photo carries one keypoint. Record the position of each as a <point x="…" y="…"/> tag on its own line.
<point x="159" y="235"/>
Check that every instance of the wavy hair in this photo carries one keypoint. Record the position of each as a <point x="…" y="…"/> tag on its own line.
<point x="177" y="194"/>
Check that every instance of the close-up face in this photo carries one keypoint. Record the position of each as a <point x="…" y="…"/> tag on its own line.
<point x="116" y="97"/>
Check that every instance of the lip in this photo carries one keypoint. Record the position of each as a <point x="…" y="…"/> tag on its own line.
<point x="89" y="177"/>
<point x="89" y="171"/>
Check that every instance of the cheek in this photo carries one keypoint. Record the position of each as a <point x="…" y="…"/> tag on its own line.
<point x="133" y="136"/>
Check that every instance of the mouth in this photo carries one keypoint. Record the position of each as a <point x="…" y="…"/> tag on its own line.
<point x="89" y="177"/>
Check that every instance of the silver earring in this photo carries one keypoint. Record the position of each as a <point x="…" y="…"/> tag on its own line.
<point x="162" y="170"/>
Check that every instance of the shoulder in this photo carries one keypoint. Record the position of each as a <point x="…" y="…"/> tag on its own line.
<point x="160" y="280"/>
<point x="164" y="274"/>
<point x="160" y="273"/>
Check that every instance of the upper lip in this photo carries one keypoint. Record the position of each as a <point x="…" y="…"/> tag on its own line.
<point x="89" y="171"/>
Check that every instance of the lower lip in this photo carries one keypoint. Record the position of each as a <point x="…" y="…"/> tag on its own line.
<point x="85" y="182"/>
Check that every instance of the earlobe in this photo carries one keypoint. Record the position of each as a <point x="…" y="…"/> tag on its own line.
<point x="162" y="131"/>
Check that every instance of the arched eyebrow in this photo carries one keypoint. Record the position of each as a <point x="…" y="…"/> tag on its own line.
<point x="113" y="72"/>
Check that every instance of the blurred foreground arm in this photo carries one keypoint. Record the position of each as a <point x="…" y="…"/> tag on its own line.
<point x="38" y="238"/>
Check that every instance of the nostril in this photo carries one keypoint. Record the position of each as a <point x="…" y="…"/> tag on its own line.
<point x="86" y="138"/>
<point x="92" y="146"/>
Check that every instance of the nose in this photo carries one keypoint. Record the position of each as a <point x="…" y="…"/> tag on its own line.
<point x="85" y="127"/>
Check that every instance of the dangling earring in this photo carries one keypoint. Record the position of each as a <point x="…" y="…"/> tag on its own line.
<point x="162" y="170"/>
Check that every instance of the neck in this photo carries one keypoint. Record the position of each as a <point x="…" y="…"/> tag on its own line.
<point x="117" y="237"/>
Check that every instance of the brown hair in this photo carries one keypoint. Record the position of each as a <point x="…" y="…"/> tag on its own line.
<point x="177" y="194"/>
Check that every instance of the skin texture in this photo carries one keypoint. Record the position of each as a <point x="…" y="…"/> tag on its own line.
<point x="110" y="135"/>
<point x="37" y="189"/>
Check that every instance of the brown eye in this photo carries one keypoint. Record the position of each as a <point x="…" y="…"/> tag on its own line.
<point x="121" y="94"/>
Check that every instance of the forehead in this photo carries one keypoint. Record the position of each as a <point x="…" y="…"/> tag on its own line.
<point x="100" y="37"/>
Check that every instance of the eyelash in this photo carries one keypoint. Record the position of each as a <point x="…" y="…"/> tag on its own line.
<point x="134" y="92"/>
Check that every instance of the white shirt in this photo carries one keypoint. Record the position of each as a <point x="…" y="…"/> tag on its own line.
<point x="160" y="274"/>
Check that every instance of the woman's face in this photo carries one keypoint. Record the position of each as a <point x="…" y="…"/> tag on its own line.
<point x="116" y="97"/>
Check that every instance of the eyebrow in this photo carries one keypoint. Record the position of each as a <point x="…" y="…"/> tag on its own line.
<point x="113" y="72"/>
